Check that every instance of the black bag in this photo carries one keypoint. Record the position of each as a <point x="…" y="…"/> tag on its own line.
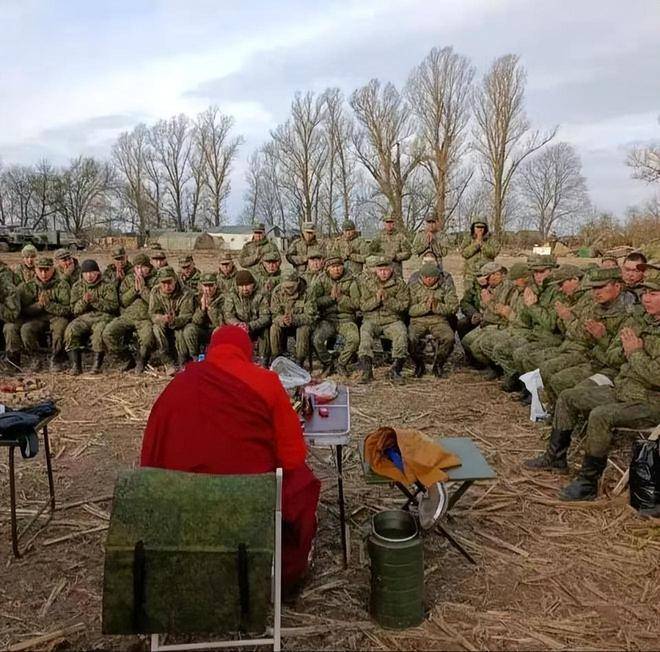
<point x="645" y="474"/>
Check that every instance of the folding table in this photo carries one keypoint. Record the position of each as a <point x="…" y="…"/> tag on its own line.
<point x="333" y="431"/>
<point x="473" y="468"/>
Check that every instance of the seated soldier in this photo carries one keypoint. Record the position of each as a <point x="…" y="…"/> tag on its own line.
<point x="134" y="292"/>
<point x="249" y="308"/>
<point x="384" y="301"/>
<point x="226" y="415"/>
<point x="189" y="275"/>
<point x="268" y="274"/>
<point x="632" y="275"/>
<point x="293" y="313"/>
<point x="337" y="298"/>
<point x="158" y="259"/>
<point x="470" y="305"/>
<point x="427" y="258"/>
<point x="10" y="310"/>
<point x="93" y="303"/>
<point x="432" y="303"/>
<point x="117" y="271"/>
<point x="171" y="309"/>
<point x="632" y="401"/>
<point x="315" y="264"/>
<point x="226" y="273"/>
<point x="253" y="251"/>
<point x="44" y="304"/>
<point x="6" y="275"/>
<point x="210" y="304"/>
<point x="68" y="267"/>
<point x="25" y="270"/>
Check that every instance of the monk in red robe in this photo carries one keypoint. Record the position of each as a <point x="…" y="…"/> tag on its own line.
<point x="227" y="415"/>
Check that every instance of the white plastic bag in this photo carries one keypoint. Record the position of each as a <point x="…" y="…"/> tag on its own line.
<point x="291" y="375"/>
<point x="325" y="391"/>
<point x="533" y="382"/>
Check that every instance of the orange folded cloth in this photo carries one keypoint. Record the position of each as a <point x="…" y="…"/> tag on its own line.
<point x="423" y="459"/>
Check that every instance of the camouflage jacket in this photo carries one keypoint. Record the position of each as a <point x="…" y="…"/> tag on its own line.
<point x="471" y="301"/>
<point x="394" y="305"/>
<point x="110" y="273"/>
<point x="394" y="246"/>
<point x="10" y="307"/>
<point x="639" y="376"/>
<point x="267" y="282"/>
<point x="300" y="305"/>
<point x="439" y="245"/>
<point x="477" y="254"/>
<point x="6" y="275"/>
<point x="59" y="298"/>
<point x="253" y="310"/>
<point x="181" y="304"/>
<point x="296" y="254"/>
<point x="353" y="252"/>
<point x="343" y="306"/>
<point x="577" y="302"/>
<point x="192" y="282"/>
<point x="71" y="278"/>
<point x="311" y="277"/>
<point x="226" y="283"/>
<point x="133" y="304"/>
<point x="437" y="301"/>
<point x="212" y="316"/>
<point x="22" y="274"/>
<point x="104" y="298"/>
<point x="503" y="294"/>
<point x="252" y="252"/>
<point x="541" y="316"/>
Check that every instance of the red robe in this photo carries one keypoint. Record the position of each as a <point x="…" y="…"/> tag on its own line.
<point x="226" y="415"/>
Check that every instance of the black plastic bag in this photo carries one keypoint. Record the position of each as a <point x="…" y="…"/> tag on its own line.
<point x="644" y="474"/>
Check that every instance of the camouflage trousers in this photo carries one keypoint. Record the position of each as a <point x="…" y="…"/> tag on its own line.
<point x="504" y="352"/>
<point x="120" y="329"/>
<point x="439" y="329"/>
<point x="395" y="331"/>
<point x="567" y="369"/>
<point x="480" y="342"/>
<point x="326" y="330"/>
<point x="90" y="325"/>
<point x="26" y="334"/>
<point x="279" y="335"/>
<point x="532" y="355"/>
<point x="604" y="412"/>
<point x="185" y="340"/>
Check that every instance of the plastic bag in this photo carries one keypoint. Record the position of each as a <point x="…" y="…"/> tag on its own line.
<point x="644" y="474"/>
<point x="533" y="382"/>
<point x="323" y="392"/>
<point x="291" y="375"/>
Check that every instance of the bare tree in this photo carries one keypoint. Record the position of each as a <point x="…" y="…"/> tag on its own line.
<point x="19" y="194"/>
<point x="42" y="208"/>
<point x="384" y="141"/>
<point x="502" y="135"/>
<point x="645" y="163"/>
<point x="439" y="93"/>
<point x="552" y="188"/>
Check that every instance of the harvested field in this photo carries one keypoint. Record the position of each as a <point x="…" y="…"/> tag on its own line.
<point x="549" y="575"/>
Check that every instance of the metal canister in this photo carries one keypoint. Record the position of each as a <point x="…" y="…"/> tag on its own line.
<point x="397" y="570"/>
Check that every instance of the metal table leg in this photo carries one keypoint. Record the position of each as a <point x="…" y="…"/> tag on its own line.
<point x="12" y="504"/>
<point x="458" y="494"/>
<point x="342" y="507"/>
<point x="49" y="469"/>
<point x="456" y="544"/>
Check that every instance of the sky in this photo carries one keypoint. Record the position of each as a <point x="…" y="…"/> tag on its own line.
<point x="75" y="73"/>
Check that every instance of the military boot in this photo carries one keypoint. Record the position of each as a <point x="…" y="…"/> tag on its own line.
<point x="437" y="369"/>
<point x="367" y="370"/>
<point x="510" y="383"/>
<point x="52" y="363"/>
<point x="585" y="486"/>
<point x="554" y="457"/>
<point x="181" y="359"/>
<point x="14" y="358"/>
<point x="343" y="370"/>
<point x="140" y="363"/>
<point x="420" y="366"/>
<point x="98" y="362"/>
<point x="75" y="357"/>
<point x="126" y="362"/>
<point x="396" y="369"/>
<point x="490" y="373"/>
<point x="328" y="369"/>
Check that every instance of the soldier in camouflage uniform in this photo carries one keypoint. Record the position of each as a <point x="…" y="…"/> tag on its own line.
<point x="134" y="292"/>
<point x="293" y="313"/>
<point x="210" y="304"/>
<point x="226" y="273"/>
<point x="6" y="275"/>
<point x="478" y="248"/>
<point x="584" y="351"/>
<point x="384" y="302"/>
<point x="633" y="401"/>
<point x="117" y="271"/>
<point x="338" y="300"/>
<point x="298" y="251"/>
<point x="268" y="274"/>
<point x="632" y="276"/>
<point x="247" y="307"/>
<point x="24" y="271"/>
<point x="189" y="275"/>
<point x="392" y="244"/>
<point x="471" y="306"/>
<point x="433" y="301"/>
<point x="68" y="268"/>
<point x="253" y="252"/>
<point x="10" y="310"/>
<point x="158" y="259"/>
<point x="315" y="263"/>
<point x="44" y="305"/>
<point x="94" y="303"/>
<point x="431" y="239"/>
<point x="350" y="247"/>
<point x="171" y="309"/>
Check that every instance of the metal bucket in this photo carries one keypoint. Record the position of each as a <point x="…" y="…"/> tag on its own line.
<point x="397" y="570"/>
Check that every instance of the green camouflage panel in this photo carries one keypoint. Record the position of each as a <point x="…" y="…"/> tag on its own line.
<point x="252" y="252"/>
<point x="353" y="252"/>
<point x="477" y="254"/>
<point x="297" y="252"/>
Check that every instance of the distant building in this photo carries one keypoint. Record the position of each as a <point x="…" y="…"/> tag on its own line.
<point x="234" y="236"/>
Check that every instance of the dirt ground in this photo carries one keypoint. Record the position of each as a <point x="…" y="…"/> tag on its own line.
<point x="549" y="575"/>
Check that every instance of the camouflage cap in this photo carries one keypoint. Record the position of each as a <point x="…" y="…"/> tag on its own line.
<point x="541" y="261"/>
<point x="259" y="228"/>
<point x="186" y="260"/>
<point x="518" y="271"/>
<point x="430" y="270"/>
<point x="383" y="261"/>
<point x="479" y="222"/>
<point x="244" y="277"/>
<point x="154" y="244"/>
<point x="348" y="225"/>
<point x="225" y="257"/>
<point x="157" y="254"/>
<point x="272" y="257"/>
<point x="490" y="268"/>
<point x="371" y="261"/>
<point x="208" y="278"/>
<point x="566" y="272"/>
<point x="651" y="282"/>
<point x="315" y="252"/>
<point x="62" y="254"/>
<point x="118" y="252"/>
<point x="599" y="277"/>
<point x="290" y="276"/>
<point x="334" y="260"/>
<point x="309" y="226"/>
<point x="650" y="264"/>
<point x="141" y="259"/>
<point x="431" y="217"/>
<point x="388" y="218"/>
<point x="166" y="273"/>
<point x="29" y="251"/>
<point x="44" y="262"/>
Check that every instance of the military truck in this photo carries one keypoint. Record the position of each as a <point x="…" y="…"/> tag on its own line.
<point x="14" y="238"/>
